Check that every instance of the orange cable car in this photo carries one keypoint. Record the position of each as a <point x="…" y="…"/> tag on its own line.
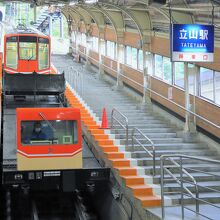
<point x="42" y="140"/>
<point x="27" y="51"/>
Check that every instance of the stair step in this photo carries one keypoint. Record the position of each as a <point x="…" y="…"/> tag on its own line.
<point x="105" y="142"/>
<point x="120" y="162"/>
<point x="109" y="148"/>
<point x="127" y="171"/>
<point x="133" y="180"/>
<point x="115" y="155"/>
<point x="141" y="190"/>
<point x="149" y="201"/>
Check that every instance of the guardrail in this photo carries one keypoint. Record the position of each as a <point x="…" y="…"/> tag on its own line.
<point x="153" y="155"/>
<point x="161" y="96"/>
<point x="122" y="121"/>
<point x="74" y="77"/>
<point x="182" y="179"/>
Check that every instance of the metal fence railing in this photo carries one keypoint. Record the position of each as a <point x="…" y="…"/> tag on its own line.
<point x="120" y="119"/>
<point x="74" y="78"/>
<point x="136" y="132"/>
<point x="187" y="182"/>
<point x="158" y="94"/>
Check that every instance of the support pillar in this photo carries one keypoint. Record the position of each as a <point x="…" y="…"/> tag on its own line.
<point x="27" y="14"/>
<point x="35" y="13"/>
<point x="61" y="26"/>
<point x="119" y="83"/>
<point x="88" y="64"/>
<point x="50" y="26"/>
<point x="101" y="69"/>
<point x="146" y="84"/>
<point x="76" y="42"/>
<point x="187" y="98"/>
<point x="189" y="127"/>
<point x="20" y="12"/>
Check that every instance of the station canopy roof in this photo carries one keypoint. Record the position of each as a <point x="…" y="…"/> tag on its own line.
<point x="160" y="12"/>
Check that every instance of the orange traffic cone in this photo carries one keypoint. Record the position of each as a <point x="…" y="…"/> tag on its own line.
<point x="104" y="120"/>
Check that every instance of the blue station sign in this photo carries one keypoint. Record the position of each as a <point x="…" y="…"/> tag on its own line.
<point x="192" y="42"/>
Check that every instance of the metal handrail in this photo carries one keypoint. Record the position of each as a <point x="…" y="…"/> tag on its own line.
<point x="124" y="126"/>
<point x="153" y="155"/>
<point x="166" y="168"/>
<point x="74" y="78"/>
<point x="161" y="96"/>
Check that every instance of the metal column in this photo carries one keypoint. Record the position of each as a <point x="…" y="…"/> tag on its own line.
<point x="50" y="26"/>
<point x="27" y="14"/>
<point x="100" y="56"/>
<point x="35" y="13"/>
<point x="187" y="97"/>
<point x="61" y="26"/>
<point x="145" y="72"/>
<point x="119" y="82"/>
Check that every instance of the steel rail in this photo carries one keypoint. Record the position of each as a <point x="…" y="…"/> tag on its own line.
<point x="181" y="181"/>
<point x="152" y="155"/>
<point x="125" y="119"/>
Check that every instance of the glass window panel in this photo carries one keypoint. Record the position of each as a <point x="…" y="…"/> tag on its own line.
<point x="108" y="49"/>
<point x="49" y="132"/>
<point x="167" y="70"/>
<point x="103" y="47"/>
<point x="12" y="55"/>
<point x="43" y="55"/>
<point x="121" y="53"/>
<point x="158" y="66"/>
<point x="73" y="36"/>
<point x="149" y="63"/>
<point x="134" y="58"/>
<point x="111" y="49"/>
<point x="83" y="39"/>
<point x="140" y="60"/>
<point x="217" y="87"/>
<point x="128" y="55"/>
<point x="27" y="51"/>
<point x="95" y="44"/>
<point x="179" y="74"/>
<point x="79" y="38"/>
<point x="206" y="83"/>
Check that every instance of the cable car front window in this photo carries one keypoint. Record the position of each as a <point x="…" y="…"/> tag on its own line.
<point x="12" y="52"/>
<point x="40" y="133"/>
<point x="27" y="48"/>
<point x="43" y="53"/>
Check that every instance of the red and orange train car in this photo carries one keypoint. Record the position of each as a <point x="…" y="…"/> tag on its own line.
<point x="42" y="140"/>
<point x="27" y="51"/>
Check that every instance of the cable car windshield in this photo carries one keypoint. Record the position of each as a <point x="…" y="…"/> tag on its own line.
<point x="12" y="52"/>
<point x="40" y="133"/>
<point x="43" y="53"/>
<point x="27" y="48"/>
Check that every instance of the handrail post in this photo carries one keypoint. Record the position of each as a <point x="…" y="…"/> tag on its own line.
<point x="132" y="138"/>
<point x="181" y="182"/>
<point x="126" y="135"/>
<point x="112" y="118"/>
<point x="197" y="199"/>
<point x="162" y="186"/>
<point x="154" y="160"/>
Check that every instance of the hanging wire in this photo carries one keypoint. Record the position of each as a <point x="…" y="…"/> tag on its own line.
<point x="170" y="12"/>
<point x="213" y="12"/>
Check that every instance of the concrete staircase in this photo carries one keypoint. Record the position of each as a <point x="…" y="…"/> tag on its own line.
<point x="43" y="21"/>
<point x="165" y="135"/>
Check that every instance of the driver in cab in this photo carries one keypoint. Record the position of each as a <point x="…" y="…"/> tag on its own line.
<point x="37" y="133"/>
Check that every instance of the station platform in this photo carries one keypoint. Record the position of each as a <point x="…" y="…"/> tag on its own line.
<point x="129" y="153"/>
